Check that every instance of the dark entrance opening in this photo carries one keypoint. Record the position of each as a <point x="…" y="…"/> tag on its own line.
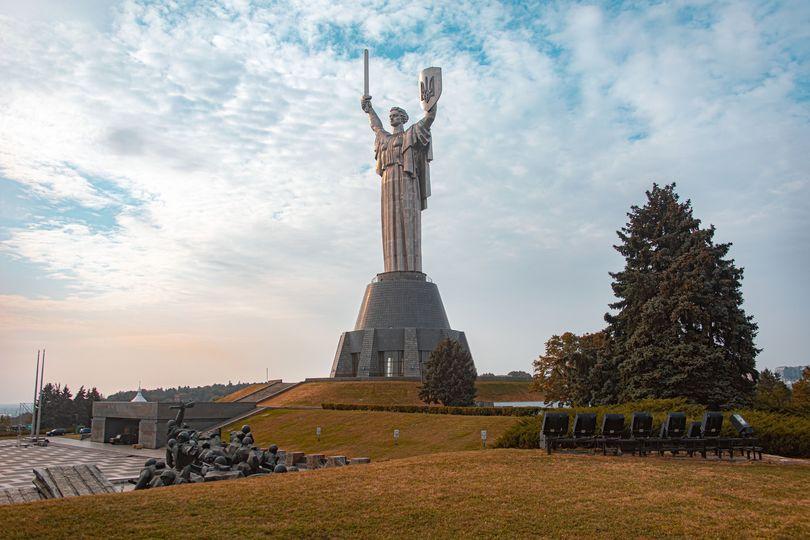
<point x="122" y="430"/>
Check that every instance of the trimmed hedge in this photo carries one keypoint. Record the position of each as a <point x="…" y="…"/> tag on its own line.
<point x="425" y="409"/>
<point x="780" y="434"/>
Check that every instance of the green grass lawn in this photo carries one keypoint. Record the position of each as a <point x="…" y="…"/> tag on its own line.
<point x="392" y="393"/>
<point x="485" y="493"/>
<point x="370" y="434"/>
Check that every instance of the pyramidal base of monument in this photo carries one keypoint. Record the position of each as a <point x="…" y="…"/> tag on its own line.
<point x="401" y="321"/>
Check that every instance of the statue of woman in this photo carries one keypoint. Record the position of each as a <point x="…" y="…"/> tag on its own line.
<point x="403" y="161"/>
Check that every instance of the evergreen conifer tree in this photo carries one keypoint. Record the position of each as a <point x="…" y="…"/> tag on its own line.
<point x="679" y="329"/>
<point x="449" y="376"/>
<point x="80" y="407"/>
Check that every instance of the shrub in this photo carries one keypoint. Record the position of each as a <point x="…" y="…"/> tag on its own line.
<point x="425" y="409"/>
<point x="779" y="433"/>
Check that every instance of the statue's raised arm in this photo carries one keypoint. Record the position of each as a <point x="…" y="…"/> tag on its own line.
<point x="430" y="116"/>
<point x="365" y="104"/>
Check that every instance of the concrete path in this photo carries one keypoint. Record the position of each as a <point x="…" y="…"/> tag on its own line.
<point x="18" y="462"/>
<point x="123" y="449"/>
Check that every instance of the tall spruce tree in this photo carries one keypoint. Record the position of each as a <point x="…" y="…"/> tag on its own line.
<point x="680" y="329"/>
<point x="449" y="376"/>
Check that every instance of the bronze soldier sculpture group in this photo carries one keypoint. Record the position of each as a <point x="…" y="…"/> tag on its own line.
<point x="193" y="457"/>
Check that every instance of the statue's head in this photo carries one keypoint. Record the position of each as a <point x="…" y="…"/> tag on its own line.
<point x="397" y="116"/>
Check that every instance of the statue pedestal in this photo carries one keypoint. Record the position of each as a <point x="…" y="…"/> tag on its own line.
<point x="401" y="321"/>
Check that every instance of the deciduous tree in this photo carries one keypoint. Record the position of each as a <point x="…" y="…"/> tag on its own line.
<point x="772" y="392"/>
<point x="567" y="371"/>
<point x="801" y="389"/>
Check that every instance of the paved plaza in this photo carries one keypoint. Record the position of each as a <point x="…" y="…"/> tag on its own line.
<point x="18" y="462"/>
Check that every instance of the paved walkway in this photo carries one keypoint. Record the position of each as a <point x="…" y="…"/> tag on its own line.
<point x="17" y="463"/>
<point x="124" y="449"/>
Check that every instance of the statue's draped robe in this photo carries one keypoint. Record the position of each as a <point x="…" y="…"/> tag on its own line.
<point x="403" y="162"/>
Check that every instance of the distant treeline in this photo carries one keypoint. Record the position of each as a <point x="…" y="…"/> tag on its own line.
<point x="61" y="408"/>
<point x="182" y="393"/>
<point x="519" y="375"/>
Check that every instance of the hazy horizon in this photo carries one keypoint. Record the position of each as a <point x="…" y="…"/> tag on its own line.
<point x="187" y="194"/>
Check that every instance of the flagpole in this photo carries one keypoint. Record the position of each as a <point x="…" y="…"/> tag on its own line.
<point x="34" y="404"/>
<point x="41" y="381"/>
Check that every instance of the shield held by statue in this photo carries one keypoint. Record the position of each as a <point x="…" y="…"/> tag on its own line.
<point x="430" y="87"/>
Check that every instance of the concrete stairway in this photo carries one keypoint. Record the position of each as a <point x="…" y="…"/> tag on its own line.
<point x="276" y="387"/>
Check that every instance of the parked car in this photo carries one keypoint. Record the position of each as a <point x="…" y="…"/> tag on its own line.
<point x="56" y="432"/>
<point x="124" y="438"/>
<point x="84" y="431"/>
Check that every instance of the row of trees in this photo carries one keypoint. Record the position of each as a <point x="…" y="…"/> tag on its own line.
<point x="60" y="408"/>
<point x="677" y="329"/>
<point x="182" y="393"/>
<point x="519" y="375"/>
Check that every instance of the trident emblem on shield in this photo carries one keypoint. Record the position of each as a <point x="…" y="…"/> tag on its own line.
<point x="430" y="87"/>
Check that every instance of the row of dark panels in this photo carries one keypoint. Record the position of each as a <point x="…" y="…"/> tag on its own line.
<point x="674" y="436"/>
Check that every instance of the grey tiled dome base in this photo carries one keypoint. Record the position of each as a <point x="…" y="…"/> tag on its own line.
<point x="401" y="321"/>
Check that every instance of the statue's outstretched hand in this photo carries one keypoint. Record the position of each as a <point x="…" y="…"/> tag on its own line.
<point x="365" y="104"/>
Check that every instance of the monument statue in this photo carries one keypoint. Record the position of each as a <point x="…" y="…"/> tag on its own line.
<point x="403" y="159"/>
<point x="402" y="317"/>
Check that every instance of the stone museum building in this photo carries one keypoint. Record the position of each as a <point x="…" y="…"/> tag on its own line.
<point x="147" y="421"/>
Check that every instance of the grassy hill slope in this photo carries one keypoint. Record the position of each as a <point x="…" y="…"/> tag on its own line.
<point x="246" y="391"/>
<point x="392" y="393"/>
<point x="370" y="434"/>
<point x="492" y="493"/>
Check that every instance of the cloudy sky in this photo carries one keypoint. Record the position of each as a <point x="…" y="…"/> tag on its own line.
<point x="186" y="191"/>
